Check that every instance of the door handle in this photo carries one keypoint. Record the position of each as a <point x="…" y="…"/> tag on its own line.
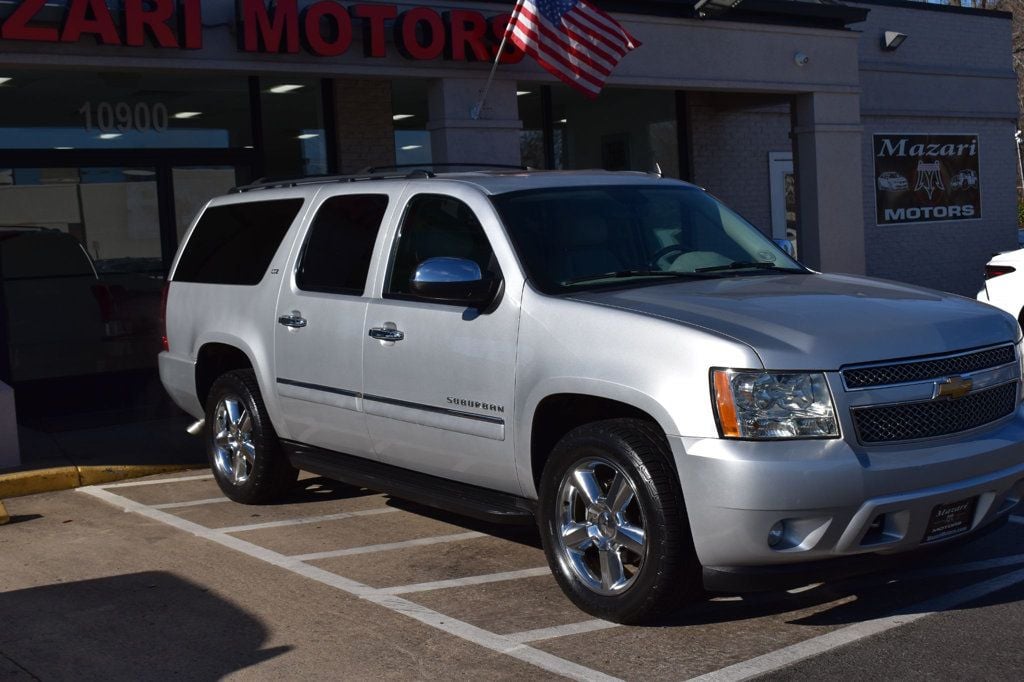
<point x="385" y="334"/>
<point x="295" y="321"/>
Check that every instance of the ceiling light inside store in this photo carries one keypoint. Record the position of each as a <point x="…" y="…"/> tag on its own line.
<point x="308" y="136"/>
<point x="520" y="93"/>
<point x="188" y="114"/>
<point x="281" y="89"/>
<point x="402" y="117"/>
<point x="563" y="120"/>
<point x="63" y="148"/>
<point x="410" y="147"/>
<point x="4" y="79"/>
<point x="110" y="136"/>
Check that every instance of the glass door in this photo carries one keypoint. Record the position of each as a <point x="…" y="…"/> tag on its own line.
<point x="84" y="252"/>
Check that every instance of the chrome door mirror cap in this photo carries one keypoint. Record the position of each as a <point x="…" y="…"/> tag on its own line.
<point x="453" y="281"/>
<point x="445" y="270"/>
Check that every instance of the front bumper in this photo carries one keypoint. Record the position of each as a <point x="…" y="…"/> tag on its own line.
<point x="839" y="500"/>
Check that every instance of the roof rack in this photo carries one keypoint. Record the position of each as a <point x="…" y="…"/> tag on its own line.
<point x="399" y="172"/>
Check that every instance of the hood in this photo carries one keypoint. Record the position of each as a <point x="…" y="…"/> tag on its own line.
<point x="821" y="321"/>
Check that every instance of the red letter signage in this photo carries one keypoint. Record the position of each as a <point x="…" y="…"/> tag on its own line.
<point x="138" y="19"/>
<point x="100" y="24"/>
<point x="17" y="25"/>
<point x="408" y="27"/>
<point x="374" y="16"/>
<point x="338" y="36"/>
<point x="265" y="30"/>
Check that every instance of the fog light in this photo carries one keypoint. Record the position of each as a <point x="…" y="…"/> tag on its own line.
<point x="776" y="534"/>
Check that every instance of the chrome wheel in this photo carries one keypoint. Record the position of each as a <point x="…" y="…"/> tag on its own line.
<point x="602" y="538"/>
<point x="234" y="451"/>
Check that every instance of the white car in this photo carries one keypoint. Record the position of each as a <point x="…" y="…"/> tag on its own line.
<point x="1004" y="283"/>
<point x="891" y="181"/>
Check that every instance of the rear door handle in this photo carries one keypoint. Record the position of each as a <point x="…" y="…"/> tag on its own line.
<point x="385" y="334"/>
<point x="295" y="321"/>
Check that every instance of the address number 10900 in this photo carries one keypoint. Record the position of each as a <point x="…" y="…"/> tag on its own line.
<point x="123" y="117"/>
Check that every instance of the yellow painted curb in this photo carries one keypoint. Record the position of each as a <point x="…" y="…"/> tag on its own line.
<point x="23" y="483"/>
<point x="4" y="516"/>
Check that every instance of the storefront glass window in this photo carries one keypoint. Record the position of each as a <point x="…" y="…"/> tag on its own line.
<point x="531" y="137"/>
<point x="80" y="110"/>
<point x="80" y="261"/>
<point x="294" y="140"/>
<point x="409" y="107"/>
<point x="623" y="129"/>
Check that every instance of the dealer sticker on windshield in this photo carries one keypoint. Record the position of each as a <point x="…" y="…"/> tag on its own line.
<point x="951" y="519"/>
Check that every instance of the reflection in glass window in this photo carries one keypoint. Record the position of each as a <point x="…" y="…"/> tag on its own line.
<point x="623" y="129"/>
<point x="294" y="138"/>
<point x="62" y="110"/>
<point x="409" y="107"/>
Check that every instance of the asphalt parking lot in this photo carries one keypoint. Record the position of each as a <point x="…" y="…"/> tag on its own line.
<point x="163" y="577"/>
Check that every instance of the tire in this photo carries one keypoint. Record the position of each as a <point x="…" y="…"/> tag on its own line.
<point x="626" y="465"/>
<point x="245" y="455"/>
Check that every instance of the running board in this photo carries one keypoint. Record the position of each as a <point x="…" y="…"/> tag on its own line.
<point x="432" y="491"/>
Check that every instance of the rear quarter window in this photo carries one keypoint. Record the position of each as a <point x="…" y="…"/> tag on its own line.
<point x="234" y="243"/>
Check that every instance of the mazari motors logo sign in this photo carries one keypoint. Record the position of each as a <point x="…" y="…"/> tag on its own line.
<point x="926" y="178"/>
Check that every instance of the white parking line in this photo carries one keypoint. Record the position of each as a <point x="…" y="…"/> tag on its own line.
<point x="305" y="520"/>
<point x="388" y="546"/>
<point x="193" y="503"/>
<point x="562" y="631"/>
<point x="435" y="619"/>
<point x="854" y="633"/>
<point x="463" y="582"/>
<point x="954" y="569"/>
<point x="160" y="481"/>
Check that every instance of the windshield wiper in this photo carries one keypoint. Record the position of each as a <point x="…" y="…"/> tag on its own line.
<point x="745" y="264"/>
<point x="620" y="274"/>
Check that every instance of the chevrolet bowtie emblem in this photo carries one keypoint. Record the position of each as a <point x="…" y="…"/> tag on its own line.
<point x="953" y="387"/>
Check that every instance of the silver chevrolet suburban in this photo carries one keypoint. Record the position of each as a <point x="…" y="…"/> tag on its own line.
<point x="677" y="402"/>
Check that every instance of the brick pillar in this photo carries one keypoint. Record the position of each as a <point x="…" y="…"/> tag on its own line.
<point x="458" y="138"/>
<point x="829" y="178"/>
<point x="366" y="132"/>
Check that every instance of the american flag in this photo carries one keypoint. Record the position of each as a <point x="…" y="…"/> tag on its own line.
<point x="575" y="41"/>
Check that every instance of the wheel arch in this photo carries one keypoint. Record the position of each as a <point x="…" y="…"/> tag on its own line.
<point x="217" y="357"/>
<point x="553" y="413"/>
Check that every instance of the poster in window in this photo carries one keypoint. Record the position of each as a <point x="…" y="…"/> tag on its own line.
<point x="926" y="178"/>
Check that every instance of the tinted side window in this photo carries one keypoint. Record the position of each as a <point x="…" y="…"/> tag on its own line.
<point x="336" y="258"/>
<point x="233" y="244"/>
<point x="438" y="226"/>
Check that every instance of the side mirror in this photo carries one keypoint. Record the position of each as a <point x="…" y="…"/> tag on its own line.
<point x="787" y="246"/>
<point x="455" y="281"/>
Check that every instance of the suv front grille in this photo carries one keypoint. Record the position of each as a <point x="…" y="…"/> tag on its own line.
<point x="932" y="418"/>
<point x="922" y="370"/>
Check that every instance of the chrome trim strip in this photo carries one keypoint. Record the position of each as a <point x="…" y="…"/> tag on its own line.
<point x="318" y="387"/>
<point x="986" y="425"/>
<point x="923" y="358"/>
<point x="394" y="401"/>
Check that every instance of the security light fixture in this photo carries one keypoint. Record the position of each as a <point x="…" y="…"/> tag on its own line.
<point x="520" y="93"/>
<point x="402" y="117"/>
<point x="188" y="114"/>
<point x="4" y="79"/>
<point x="892" y="40"/>
<point x="287" y="87"/>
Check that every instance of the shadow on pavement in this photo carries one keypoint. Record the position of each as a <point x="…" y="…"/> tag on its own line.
<point x="151" y="625"/>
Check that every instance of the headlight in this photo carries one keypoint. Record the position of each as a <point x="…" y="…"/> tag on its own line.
<point x="762" y="405"/>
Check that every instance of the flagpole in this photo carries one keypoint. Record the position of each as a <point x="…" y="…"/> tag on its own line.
<point x="478" y="108"/>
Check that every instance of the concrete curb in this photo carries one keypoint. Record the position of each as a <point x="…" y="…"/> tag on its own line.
<point x="4" y="517"/>
<point x="23" y="483"/>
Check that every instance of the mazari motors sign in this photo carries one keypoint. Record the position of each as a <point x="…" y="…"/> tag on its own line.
<point x="926" y="178"/>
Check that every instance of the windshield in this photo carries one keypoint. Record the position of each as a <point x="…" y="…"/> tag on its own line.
<point x="576" y="238"/>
